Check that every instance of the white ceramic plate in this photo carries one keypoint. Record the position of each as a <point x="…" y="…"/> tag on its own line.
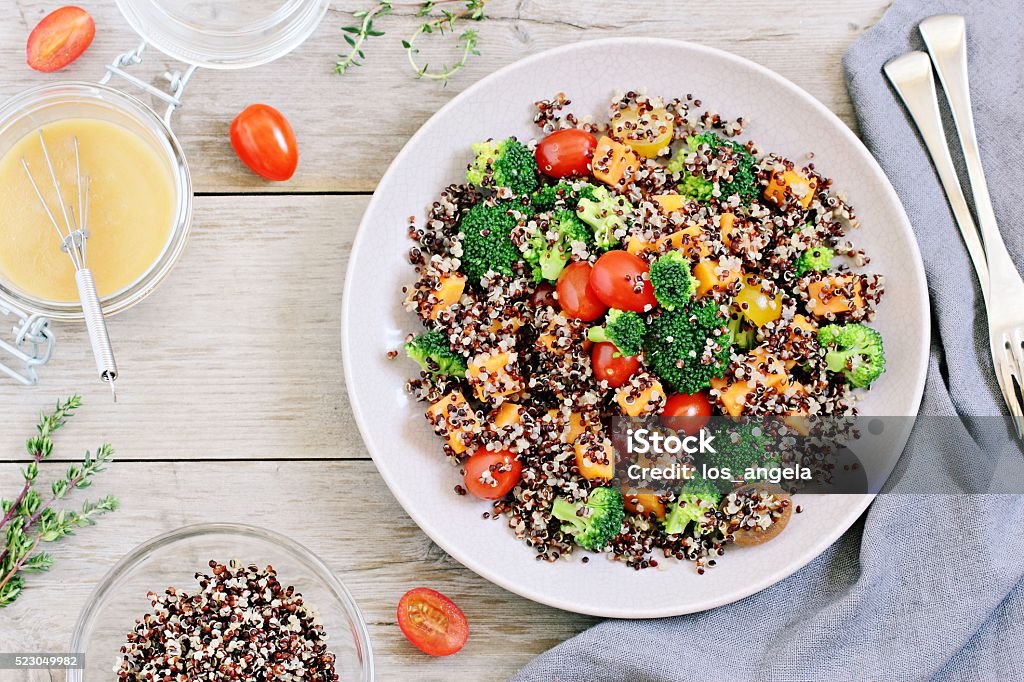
<point x="782" y="118"/>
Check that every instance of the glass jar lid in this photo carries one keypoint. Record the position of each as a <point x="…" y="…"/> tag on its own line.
<point x="224" y="34"/>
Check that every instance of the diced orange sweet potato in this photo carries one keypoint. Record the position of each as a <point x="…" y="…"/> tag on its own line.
<point x="575" y="426"/>
<point x="649" y="501"/>
<point x="827" y="302"/>
<point x="635" y="245"/>
<point x="588" y="465"/>
<point x="508" y="414"/>
<point x="733" y="395"/>
<point x="497" y="382"/>
<point x="726" y="222"/>
<point x="634" y="406"/>
<point x="670" y="202"/>
<point x="612" y="161"/>
<point x="709" y="280"/>
<point x="689" y="240"/>
<point x="514" y="324"/>
<point x="802" y="188"/>
<point x="459" y="437"/>
<point x="448" y="293"/>
<point x="802" y="322"/>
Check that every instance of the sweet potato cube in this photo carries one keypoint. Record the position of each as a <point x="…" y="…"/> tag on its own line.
<point x="639" y="404"/>
<point x="595" y="460"/>
<point x="448" y="293"/>
<point x="490" y="376"/>
<point x="726" y="223"/>
<point x="670" y="202"/>
<point x="614" y="162"/>
<point x="827" y="301"/>
<point x="458" y="431"/>
<point x="710" y="280"/>
<point x="635" y="245"/>
<point x="802" y="188"/>
<point x="508" y="414"/>
<point x="649" y="502"/>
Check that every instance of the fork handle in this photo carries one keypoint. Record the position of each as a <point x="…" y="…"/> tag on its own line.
<point x="911" y="76"/>
<point x="945" y="36"/>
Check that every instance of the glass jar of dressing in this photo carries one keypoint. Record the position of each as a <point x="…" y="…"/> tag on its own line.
<point x="139" y="190"/>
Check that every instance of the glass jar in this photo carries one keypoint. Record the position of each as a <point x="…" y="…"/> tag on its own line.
<point x="221" y="34"/>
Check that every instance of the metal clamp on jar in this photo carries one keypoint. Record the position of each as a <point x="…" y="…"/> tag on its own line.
<point x="216" y="34"/>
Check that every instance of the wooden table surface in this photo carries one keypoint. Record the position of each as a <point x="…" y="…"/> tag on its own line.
<point x="232" y="400"/>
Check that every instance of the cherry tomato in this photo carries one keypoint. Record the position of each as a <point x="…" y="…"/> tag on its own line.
<point x="503" y="467"/>
<point x="575" y="294"/>
<point x="615" y="277"/>
<point x="59" y="39"/>
<point x="544" y="294"/>
<point x="686" y="412"/>
<point x="566" y="153"/>
<point x="612" y="366"/>
<point x="432" y="622"/>
<point x="265" y="142"/>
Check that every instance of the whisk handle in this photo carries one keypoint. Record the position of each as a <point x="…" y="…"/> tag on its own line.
<point x="96" y="325"/>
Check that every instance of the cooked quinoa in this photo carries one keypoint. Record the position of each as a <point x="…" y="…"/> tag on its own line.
<point x="750" y="224"/>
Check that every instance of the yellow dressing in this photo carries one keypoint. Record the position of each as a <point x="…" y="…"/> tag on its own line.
<point x="132" y="208"/>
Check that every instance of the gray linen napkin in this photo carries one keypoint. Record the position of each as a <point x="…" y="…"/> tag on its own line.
<point x="923" y="586"/>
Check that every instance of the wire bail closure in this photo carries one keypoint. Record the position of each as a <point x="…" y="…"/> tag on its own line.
<point x="32" y="347"/>
<point x="177" y="81"/>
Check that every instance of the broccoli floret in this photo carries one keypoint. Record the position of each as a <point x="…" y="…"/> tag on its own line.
<point x="605" y="214"/>
<point x="742" y="335"/>
<point x="739" y="447"/>
<point x="432" y="353"/>
<point x="816" y="259"/>
<point x="622" y="328"/>
<point x="855" y="351"/>
<point x="508" y="163"/>
<point x="673" y="283"/>
<point x="744" y="176"/>
<point x="563" y="193"/>
<point x="487" y="241"/>
<point x="601" y="518"/>
<point x="548" y="251"/>
<point x="688" y="346"/>
<point x="698" y="497"/>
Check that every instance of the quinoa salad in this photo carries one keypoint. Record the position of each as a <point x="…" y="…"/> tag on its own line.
<point x="652" y="263"/>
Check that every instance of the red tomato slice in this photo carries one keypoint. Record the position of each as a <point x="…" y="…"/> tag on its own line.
<point x="566" y="153"/>
<point x="500" y="465"/>
<point x="575" y="295"/>
<point x="59" y="39"/>
<point x="686" y="412"/>
<point x="612" y="366"/>
<point x="616" y="278"/>
<point x="265" y="142"/>
<point x="432" y="622"/>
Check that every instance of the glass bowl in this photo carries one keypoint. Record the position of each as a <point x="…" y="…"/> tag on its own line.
<point x="172" y="559"/>
<point x="30" y="109"/>
<point x="224" y="34"/>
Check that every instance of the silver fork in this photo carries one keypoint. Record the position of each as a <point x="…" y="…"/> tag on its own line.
<point x="945" y="37"/>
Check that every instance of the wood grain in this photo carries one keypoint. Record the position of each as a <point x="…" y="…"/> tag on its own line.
<point x="237" y="355"/>
<point x="350" y="127"/>
<point x="326" y="506"/>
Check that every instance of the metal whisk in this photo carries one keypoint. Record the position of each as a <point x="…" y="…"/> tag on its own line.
<point x="74" y="237"/>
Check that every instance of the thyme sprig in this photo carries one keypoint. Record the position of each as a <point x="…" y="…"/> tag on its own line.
<point x="31" y="518"/>
<point x="442" y="24"/>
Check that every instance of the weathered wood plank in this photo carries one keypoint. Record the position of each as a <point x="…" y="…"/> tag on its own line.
<point x="351" y="127"/>
<point x="237" y="355"/>
<point x="326" y="506"/>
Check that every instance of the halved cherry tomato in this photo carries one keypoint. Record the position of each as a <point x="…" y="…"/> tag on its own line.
<point x="432" y="622"/>
<point x="265" y="142"/>
<point x="615" y="281"/>
<point x="59" y="39"/>
<point x="686" y="412"/>
<point x="575" y="294"/>
<point x="566" y="153"/>
<point x="612" y="366"/>
<point x="502" y="467"/>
